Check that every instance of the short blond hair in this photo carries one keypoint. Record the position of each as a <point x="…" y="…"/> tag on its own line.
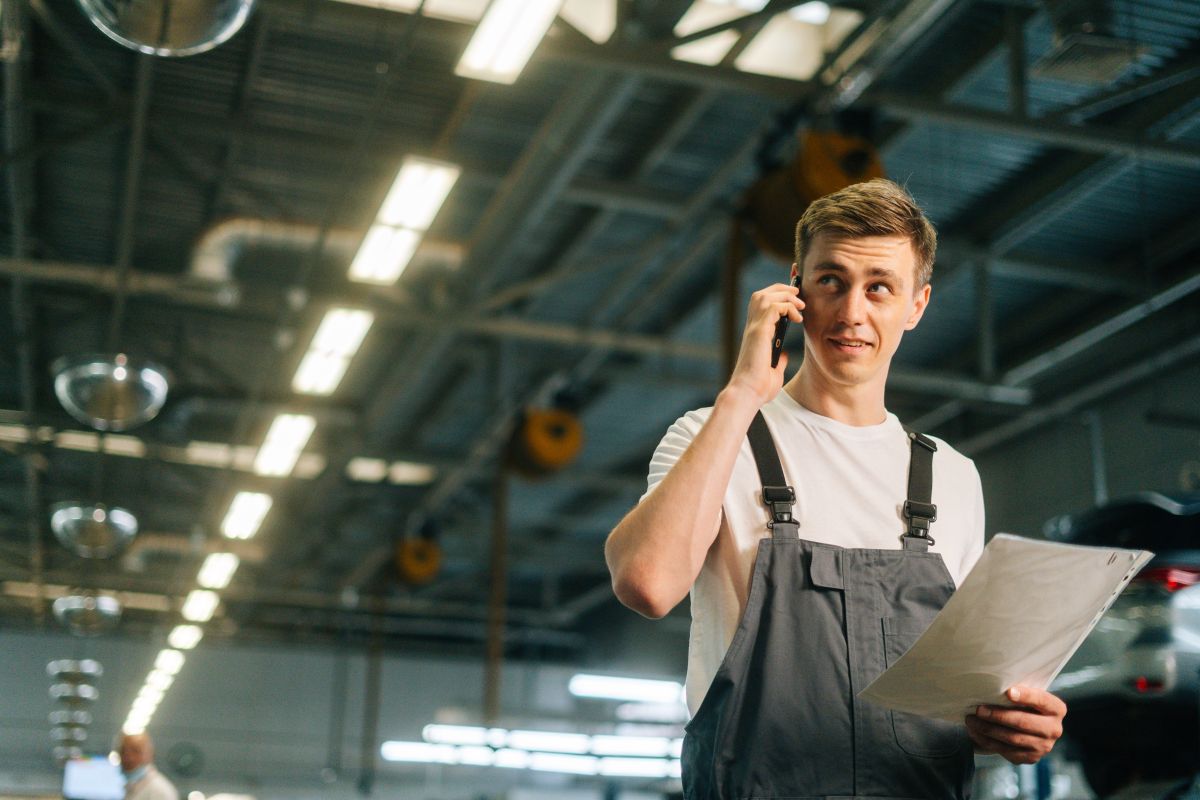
<point x="878" y="207"/>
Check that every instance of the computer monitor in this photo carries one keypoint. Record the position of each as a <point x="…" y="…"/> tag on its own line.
<point x="93" y="778"/>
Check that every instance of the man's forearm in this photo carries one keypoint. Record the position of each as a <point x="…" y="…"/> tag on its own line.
<point x="657" y="550"/>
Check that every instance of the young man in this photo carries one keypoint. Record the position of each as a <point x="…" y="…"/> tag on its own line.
<point x="817" y="538"/>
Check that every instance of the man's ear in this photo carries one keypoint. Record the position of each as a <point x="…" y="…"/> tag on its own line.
<point x="795" y="271"/>
<point x="920" y="303"/>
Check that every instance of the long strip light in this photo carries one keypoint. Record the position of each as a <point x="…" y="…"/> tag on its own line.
<point x="417" y="194"/>
<point x="505" y="39"/>
<point x="166" y="666"/>
<point x="217" y="570"/>
<point x="245" y="515"/>
<point x="513" y="758"/>
<point x="285" y="439"/>
<point x="641" y="690"/>
<point x="336" y="341"/>
<point x="552" y="741"/>
<point x="200" y="605"/>
<point x="185" y="637"/>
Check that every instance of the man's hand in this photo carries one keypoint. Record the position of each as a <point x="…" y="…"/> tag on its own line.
<point x="753" y="370"/>
<point x="1021" y="735"/>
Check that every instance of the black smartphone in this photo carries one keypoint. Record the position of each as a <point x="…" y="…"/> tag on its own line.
<point x="780" y="332"/>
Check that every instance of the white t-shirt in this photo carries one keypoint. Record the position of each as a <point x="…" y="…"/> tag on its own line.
<point x="152" y="786"/>
<point x="851" y="483"/>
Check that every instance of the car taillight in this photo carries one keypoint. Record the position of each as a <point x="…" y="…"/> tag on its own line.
<point x="1170" y="578"/>
<point x="1145" y="685"/>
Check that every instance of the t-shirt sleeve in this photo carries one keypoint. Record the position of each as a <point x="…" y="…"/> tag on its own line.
<point x="674" y="444"/>
<point x="974" y="547"/>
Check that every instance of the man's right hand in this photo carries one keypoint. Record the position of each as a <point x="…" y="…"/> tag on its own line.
<point x="753" y="371"/>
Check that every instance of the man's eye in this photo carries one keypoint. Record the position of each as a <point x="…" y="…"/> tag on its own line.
<point x="880" y="287"/>
<point x="826" y="280"/>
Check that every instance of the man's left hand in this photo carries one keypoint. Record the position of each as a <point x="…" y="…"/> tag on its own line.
<point x="1021" y="735"/>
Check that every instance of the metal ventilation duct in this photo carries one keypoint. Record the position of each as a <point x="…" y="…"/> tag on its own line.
<point x="88" y="614"/>
<point x="92" y="531"/>
<point x="1085" y="47"/>
<point x="168" y="27"/>
<point x="110" y="392"/>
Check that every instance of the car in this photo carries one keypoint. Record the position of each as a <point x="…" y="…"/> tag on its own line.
<point x="1133" y="687"/>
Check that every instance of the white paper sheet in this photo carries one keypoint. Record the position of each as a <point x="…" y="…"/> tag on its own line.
<point x="1017" y="618"/>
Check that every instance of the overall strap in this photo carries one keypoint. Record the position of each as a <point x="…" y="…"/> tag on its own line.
<point x="919" y="509"/>
<point x="776" y="493"/>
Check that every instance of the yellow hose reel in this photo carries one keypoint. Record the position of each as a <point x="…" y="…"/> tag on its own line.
<point x="418" y="560"/>
<point x="545" y="441"/>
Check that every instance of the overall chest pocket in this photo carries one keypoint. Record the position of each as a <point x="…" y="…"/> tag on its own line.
<point x="916" y="735"/>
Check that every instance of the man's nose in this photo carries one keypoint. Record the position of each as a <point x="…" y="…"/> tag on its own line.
<point x="853" y="308"/>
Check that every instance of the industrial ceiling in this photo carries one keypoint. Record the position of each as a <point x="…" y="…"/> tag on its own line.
<point x="210" y="205"/>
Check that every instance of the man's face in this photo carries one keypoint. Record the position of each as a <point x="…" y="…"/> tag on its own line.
<point x="134" y="752"/>
<point x="859" y="300"/>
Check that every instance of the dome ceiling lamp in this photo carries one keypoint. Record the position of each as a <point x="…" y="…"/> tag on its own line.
<point x="110" y="393"/>
<point x="92" y="531"/>
<point x="87" y="613"/>
<point x="168" y="27"/>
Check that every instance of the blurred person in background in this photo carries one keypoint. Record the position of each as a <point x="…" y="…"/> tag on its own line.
<point x="143" y="781"/>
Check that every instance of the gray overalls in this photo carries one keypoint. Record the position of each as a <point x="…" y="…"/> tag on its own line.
<point x="781" y="719"/>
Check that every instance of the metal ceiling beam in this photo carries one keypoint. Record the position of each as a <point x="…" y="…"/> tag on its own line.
<point x="1143" y="370"/>
<point x="1050" y="359"/>
<point x="1186" y="71"/>
<point x="1092" y="139"/>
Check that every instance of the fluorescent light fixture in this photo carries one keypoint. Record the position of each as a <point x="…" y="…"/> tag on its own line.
<point x="476" y="756"/>
<point x="319" y="373"/>
<point x="336" y="341"/>
<point x="159" y="680"/>
<point x="634" y="767"/>
<point x="505" y="39"/>
<point x="287" y="436"/>
<point x="814" y="13"/>
<point x="169" y="661"/>
<point x="139" y="716"/>
<point x="458" y="734"/>
<point x="596" y="19"/>
<point x="133" y="728"/>
<point x="549" y="741"/>
<point x="217" y="570"/>
<point x="245" y="515"/>
<point x="384" y="255"/>
<point x="418" y="193"/>
<point x="342" y="330"/>
<point x="185" y="637"/>
<point x="148" y="697"/>
<point x="200" y="605"/>
<point x="607" y="687"/>
<point x="420" y="752"/>
<point x="367" y="470"/>
<point x="410" y="473"/>
<point x="559" y="762"/>
<point x="510" y="758"/>
<point x="652" y="712"/>
<point x="655" y="746"/>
